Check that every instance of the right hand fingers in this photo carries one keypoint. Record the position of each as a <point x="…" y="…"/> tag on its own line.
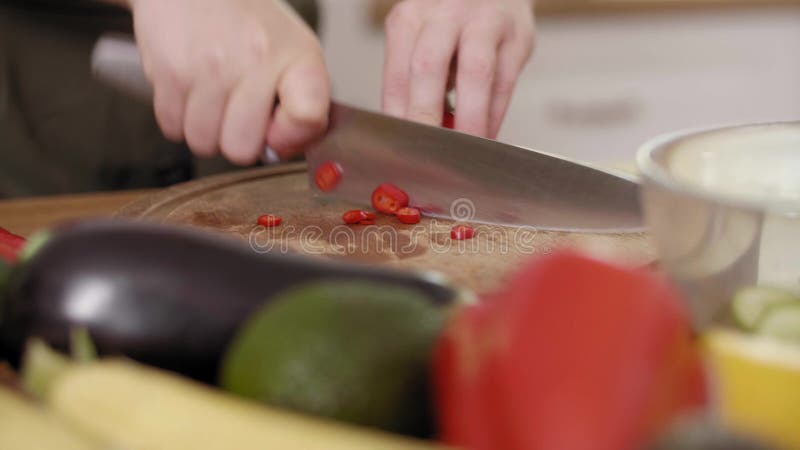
<point x="192" y="98"/>
<point x="236" y="117"/>
<point x="205" y="108"/>
<point x="302" y="115"/>
<point x="169" y="103"/>
<point x="247" y="117"/>
<point x="215" y="67"/>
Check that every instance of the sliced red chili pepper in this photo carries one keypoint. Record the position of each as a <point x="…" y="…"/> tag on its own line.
<point x="355" y="216"/>
<point x="369" y="215"/>
<point x="327" y="176"/>
<point x="268" y="220"/>
<point x="461" y="232"/>
<point x="11" y="239"/>
<point x="388" y="198"/>
<point x="367" y="222"/>
<point x="8" y="253"/>
<point x="408" y="215"/>
<point x="449" y="120"/>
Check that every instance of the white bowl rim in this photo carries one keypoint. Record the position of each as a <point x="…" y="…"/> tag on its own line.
<point x="653" y="172"/>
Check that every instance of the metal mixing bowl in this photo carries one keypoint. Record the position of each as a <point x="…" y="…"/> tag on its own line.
<point x="723" y="206"/>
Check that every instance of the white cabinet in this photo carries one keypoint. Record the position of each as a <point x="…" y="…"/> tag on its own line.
<point x="602" y="84"/>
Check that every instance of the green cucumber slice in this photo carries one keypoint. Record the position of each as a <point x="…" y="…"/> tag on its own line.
<point x="751" y="303"/>
<point x="781" y="321"/>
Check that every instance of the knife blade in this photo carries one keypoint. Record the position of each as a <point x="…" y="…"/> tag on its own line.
<point x="447" y="174"/>
<point x="458" y="176"/>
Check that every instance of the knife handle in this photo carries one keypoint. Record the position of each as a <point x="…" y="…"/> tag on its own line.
<point x="116" y="61"/>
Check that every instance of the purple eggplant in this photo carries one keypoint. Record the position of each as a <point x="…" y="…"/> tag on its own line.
<point x="166" y="296"/>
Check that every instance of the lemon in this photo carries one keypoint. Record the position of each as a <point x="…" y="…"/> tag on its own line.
<point x="758" y="384"/>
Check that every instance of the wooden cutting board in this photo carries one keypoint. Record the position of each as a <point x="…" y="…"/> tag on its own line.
<point x="231" y="203"/>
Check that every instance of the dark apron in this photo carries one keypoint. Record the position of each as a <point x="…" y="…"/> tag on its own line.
<point x="60" y="130"/>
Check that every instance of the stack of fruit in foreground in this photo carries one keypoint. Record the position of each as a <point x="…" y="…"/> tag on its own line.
<point x="571" y="354"/>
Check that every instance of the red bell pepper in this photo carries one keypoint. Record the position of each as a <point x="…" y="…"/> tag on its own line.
<point x="575" y="354"/>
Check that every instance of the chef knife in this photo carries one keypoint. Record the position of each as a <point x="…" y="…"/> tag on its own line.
<point x="446" y="173"/>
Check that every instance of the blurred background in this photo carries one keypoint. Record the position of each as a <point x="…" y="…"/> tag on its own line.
<point x="608" y="75"/>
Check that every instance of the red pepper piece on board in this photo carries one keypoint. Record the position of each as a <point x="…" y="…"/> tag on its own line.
<point x="462" y="232"/>
<point x="355" y="216"/>
<point x="269" y="220"/>
<point x="408" y="215"/>
<point x="388" y="198"/>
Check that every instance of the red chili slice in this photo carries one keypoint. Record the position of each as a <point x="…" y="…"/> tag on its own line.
<point x="367" y="222"/>
<point x="8" y="253"/>
<point x="462" y="232"/>
<point x="355" y="216"/>
<point x="11" y="239"/>
<point x="388" y="198"/>
<point x="268" y="220"/>
<point x="327" y="176"/>
<point x="408" y="215"/>
<point x="449" y="120"/>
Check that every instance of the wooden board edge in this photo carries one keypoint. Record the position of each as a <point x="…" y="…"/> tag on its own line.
<point x="175" y="194"/>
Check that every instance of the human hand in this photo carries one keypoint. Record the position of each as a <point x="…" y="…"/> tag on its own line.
<point x="218" y="67"/>
<point x="490" y="42"/>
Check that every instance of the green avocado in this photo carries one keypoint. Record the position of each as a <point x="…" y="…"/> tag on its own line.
<point x="357" y="352"/>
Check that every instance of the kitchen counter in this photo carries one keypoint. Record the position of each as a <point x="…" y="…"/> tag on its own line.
<point x="26" y="216"/>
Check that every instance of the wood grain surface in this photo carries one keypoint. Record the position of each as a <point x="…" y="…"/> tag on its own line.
<point x="28" y="215"/>
<point x="231" y="204"/>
